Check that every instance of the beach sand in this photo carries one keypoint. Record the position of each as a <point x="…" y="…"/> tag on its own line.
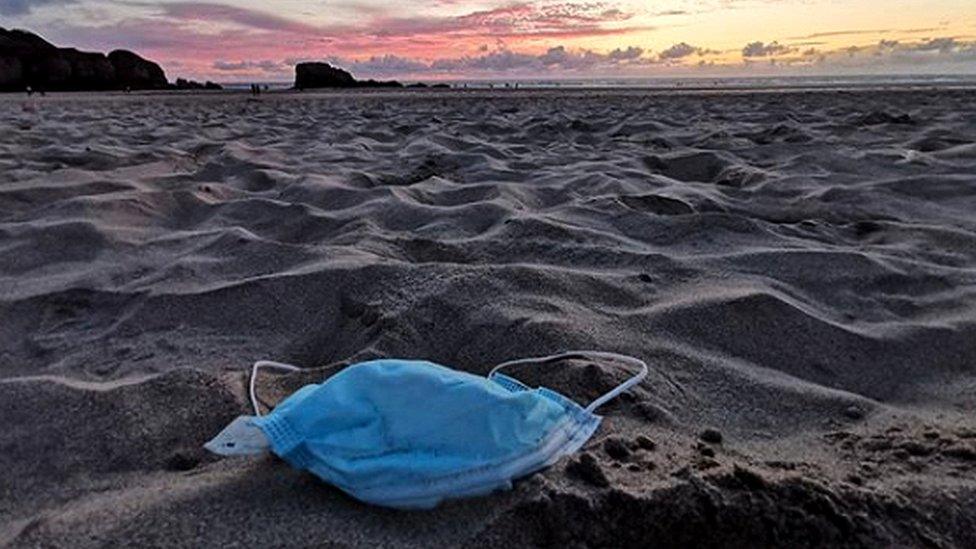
<point x="798" y="269"/>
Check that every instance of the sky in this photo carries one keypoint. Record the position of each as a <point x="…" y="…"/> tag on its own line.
<point x="251" y="40"/>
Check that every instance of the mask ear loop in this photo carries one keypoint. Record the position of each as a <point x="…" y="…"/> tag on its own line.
<point x="613" y="393"/>
<point x="254" y="374"/>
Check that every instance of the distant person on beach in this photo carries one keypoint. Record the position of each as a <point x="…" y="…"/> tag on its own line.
<point x="30" y="91"/>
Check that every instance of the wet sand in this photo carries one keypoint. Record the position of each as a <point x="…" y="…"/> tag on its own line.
<point x="798" y="269"/>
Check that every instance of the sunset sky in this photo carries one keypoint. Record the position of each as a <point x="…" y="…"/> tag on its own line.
<point x="457" y="39"/>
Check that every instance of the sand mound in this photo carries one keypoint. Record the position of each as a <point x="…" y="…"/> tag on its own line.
<point x="798" y="270"/>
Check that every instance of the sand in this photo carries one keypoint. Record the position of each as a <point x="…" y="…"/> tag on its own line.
<point x="798" y="269"/>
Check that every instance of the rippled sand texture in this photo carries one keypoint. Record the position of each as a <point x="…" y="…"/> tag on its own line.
<point x="798" y="268"/>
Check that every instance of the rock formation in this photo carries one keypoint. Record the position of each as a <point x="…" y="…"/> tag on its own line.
<point x="184" y="84"/>
<point x="135" y="72"/>
<point x="28" y="60"/>
<point x="324" y="75"/>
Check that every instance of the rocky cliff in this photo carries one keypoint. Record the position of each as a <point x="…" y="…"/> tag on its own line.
<point x="324" y="75"/>
<point x="28" y="60"/>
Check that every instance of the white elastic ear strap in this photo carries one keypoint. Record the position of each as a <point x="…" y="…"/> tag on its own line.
<point x="615" y="392"/>
<point x="254" y="374"/>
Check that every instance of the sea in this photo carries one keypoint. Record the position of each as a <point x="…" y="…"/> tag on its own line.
<point x="697" y="83"/>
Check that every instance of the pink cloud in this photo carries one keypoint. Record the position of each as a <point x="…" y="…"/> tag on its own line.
<point x="255" y="19"/>
<point x="200" y="33"/>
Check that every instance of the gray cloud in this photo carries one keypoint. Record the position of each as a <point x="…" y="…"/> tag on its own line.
<point x="854" y="32"/>
<point x="554" y="59"/>
<point x="15" y="8"/>
<point x="256" y="19"/>
<point x="759" y="49"/>
<point x="931" y="56"/>
<point x="630" y="54"/>
<point x="941" y="45"/>
<point x="678" y="51"/>
<point x="387" y="64"/>
<point x="265" y="65"/>
<point x="496" y="61"/>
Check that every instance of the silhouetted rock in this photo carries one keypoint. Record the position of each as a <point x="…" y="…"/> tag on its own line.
<point x="28" y="60"/>
<point x="378" y="84"/>
<point x="184" y="84"/>
<point x="323" y="75"/>
<point x="135" y="72"/>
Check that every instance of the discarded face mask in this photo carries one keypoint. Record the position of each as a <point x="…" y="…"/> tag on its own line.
<point x="409" y="434"/>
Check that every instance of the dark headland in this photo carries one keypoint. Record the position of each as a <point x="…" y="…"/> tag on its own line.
<point x="311" y="75"/>
<point x="323" y="75"/>
<point x="29" y="61"/>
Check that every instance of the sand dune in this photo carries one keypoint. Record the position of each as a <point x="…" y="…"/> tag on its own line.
<point x="799" y="270"/>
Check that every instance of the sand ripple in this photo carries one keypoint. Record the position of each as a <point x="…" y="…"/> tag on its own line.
<point x="792" y="264"/>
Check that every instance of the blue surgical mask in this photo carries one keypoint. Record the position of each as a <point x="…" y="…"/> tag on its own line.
<point x="409" y="433"/>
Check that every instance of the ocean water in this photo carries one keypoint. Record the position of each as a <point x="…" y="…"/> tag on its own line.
<point x="764" y="82"/>
<point x="739" y="82"/>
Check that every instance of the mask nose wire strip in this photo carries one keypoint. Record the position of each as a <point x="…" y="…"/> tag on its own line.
<point x="616" y="391"/>
<point x="254" y="374"/>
